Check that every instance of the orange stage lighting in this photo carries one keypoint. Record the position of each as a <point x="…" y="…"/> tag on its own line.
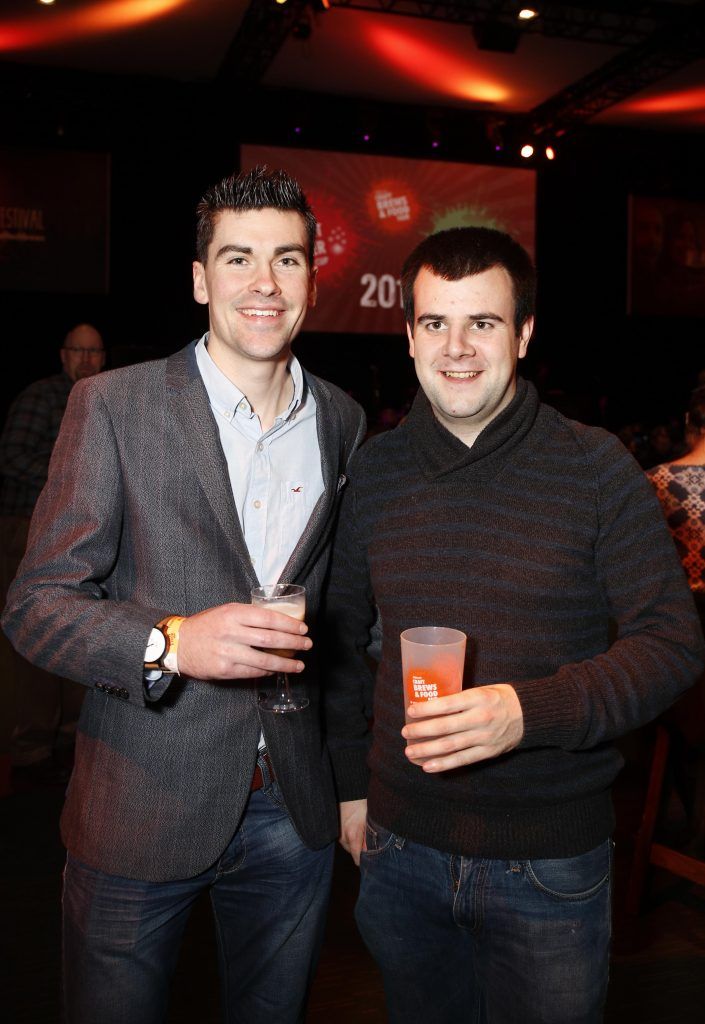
<point x="684" y="101"/>
<point x="432" y="66"/>
<point x="57" y="27"/>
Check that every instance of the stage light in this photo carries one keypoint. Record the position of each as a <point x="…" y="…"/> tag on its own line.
<point x="435" y="144"/>
<point x="527" y="13"/>
<point x="46" y="3"/>
<point x="527" y="151"/>
<point x="280" y="1"/>
<point x="71" y="23"/>
<point x="419" y="60"/>
<point x="550" y="153"/>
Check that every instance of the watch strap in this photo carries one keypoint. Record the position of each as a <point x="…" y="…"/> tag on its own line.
<point x="170" y="627"/>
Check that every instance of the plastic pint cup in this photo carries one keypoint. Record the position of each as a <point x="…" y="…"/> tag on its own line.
<point x="432" y="660"/>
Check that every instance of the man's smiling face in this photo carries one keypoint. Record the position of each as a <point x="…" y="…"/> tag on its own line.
<point x="257" y="283"/>
<point x="465" y="347"/>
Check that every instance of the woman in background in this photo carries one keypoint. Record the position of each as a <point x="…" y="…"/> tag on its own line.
<point x="680" y="487"/>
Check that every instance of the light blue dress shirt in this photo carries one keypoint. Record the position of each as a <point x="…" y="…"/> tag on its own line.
<point x="275" y="475"/>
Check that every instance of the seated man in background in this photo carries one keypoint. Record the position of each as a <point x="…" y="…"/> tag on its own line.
<point x="46" y="707"/>
<point x="483" y="826"/>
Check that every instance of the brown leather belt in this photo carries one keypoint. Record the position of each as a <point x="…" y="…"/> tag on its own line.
<point x="258" y="778"/>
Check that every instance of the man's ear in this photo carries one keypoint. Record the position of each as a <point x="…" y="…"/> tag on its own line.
<point x="200" y="291"/>
<point x="313" y="287"/>
<point x="527" y="329"/>
<point x="410" y="336"/>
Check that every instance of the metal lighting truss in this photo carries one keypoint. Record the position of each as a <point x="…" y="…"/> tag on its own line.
<point x="263" y="30"/>
<point x="655" y="38"/>
<point x="612" y="23"/>
<point x="667" y="50"/>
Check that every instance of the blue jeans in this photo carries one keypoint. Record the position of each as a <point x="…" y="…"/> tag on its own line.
<point x="463" y="941"/>
<point x="269" y="895"/>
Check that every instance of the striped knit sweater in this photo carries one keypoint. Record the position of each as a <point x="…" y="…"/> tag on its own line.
<point x="545" y="543"/>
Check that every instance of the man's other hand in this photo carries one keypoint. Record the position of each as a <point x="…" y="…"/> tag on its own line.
<point x="353" y="815"/>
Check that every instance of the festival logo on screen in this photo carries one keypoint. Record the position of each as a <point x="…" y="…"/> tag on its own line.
<point x="392" y="205"/>
<point x="337" y="241"/>
<point x="54" y="221"/>
<point x="20" y="224"/>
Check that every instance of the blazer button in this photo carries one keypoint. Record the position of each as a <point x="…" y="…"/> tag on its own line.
<point x="125" y="694"/>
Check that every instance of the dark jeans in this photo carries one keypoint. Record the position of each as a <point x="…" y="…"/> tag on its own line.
<point x="493" y="941"/>
<point x="269" y="895"/>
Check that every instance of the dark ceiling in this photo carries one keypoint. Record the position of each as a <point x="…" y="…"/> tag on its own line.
<point x="615" y="63"/>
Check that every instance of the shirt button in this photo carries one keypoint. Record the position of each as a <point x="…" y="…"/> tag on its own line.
<point x="227" y="414"/>
<point x="260" y="447"/>
<point x="257" y="504"/>
<point x="242" y="406"/>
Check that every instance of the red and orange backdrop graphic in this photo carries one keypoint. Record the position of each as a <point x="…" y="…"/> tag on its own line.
<point x="373" y="210"/>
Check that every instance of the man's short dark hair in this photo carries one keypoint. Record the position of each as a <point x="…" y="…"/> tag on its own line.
<point x="258" y="189"/>
<point x="461" y="252"/>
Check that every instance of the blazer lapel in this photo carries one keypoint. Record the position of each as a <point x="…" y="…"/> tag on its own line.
<point x="192" y="416"/>
<point x="328" y="428"/>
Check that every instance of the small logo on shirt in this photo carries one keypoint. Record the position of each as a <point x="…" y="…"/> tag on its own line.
<point x="297" y="490"/>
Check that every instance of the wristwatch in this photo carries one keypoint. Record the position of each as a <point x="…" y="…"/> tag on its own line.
<point x="156" y="645"/>
<point x="162" y="645"/>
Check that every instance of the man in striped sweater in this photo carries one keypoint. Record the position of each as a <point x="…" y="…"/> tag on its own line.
<point x="483" y="827"/>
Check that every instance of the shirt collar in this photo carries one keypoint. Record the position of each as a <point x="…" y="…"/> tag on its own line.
<point x="227" y="398"/>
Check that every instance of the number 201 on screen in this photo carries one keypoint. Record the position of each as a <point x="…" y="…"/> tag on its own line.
<point x="384" y="291"/>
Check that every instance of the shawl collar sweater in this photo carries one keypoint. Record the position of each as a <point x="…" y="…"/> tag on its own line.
<point x="441" y="454"/>
<point x="544" y="543"/>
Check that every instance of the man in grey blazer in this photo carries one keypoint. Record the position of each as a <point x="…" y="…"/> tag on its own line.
<point x="175" y="487"/>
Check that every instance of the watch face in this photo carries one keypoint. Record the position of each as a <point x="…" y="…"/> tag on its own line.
<point x="156" y="645"/>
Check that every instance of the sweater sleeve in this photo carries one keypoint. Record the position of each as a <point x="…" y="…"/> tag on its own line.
<point x="657" y="651"/>
<point x="348" y="617"/>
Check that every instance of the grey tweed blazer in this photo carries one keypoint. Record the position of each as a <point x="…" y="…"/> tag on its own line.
<point x="137" y="521"/>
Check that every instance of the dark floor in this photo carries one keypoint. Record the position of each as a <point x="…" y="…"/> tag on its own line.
<point x="658" y="964"/>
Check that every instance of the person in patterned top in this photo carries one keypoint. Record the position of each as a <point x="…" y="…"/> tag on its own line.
<point x="680" y="487"/>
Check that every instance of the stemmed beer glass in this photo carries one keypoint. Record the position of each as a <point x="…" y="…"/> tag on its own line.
<point x="289" y="599"/>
